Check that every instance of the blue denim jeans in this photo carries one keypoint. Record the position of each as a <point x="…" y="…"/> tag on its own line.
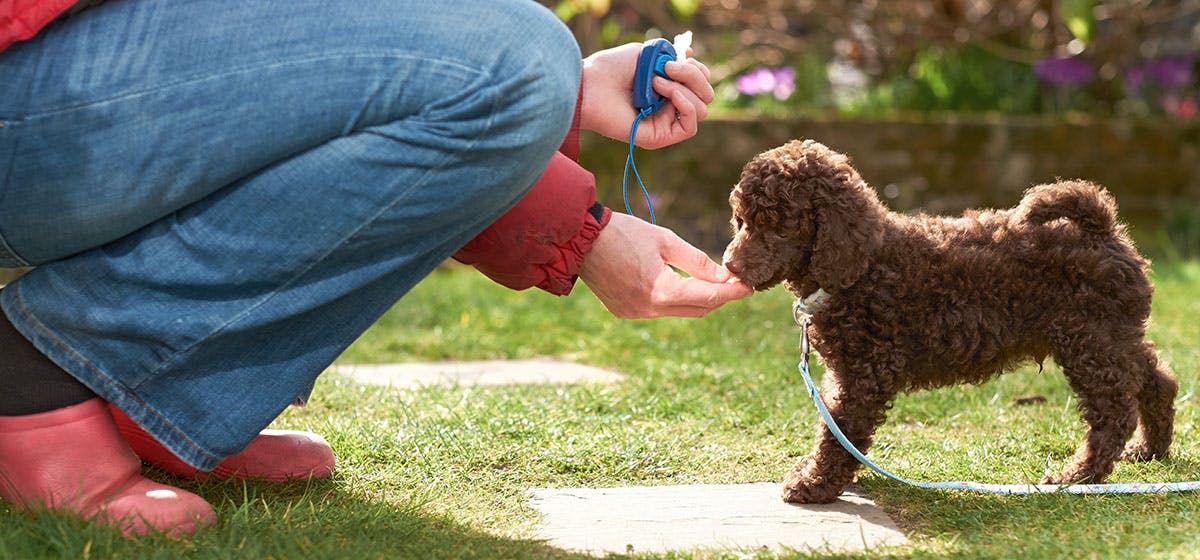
<point x="219" y="196"/>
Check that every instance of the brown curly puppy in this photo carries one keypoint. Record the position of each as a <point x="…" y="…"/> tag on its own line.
<point x="917" y="302"/>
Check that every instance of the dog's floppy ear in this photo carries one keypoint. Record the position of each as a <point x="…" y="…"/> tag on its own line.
<point x="849" y="219"/>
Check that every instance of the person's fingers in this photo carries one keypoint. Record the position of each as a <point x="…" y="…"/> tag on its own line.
<point x="703" y="69"/>
<point x="696" y="108"/>
<point x="692" y="297"/>
<point x="696" y="292"/>
<point x="679" y="253"/>
<point x="693" y="77"/>
<point x="684" y="121"/>
<point x="685" y="312"/>
<point x="629" y="270"/>
<point x="672" y="295"/>
<point x="677" y="120"/>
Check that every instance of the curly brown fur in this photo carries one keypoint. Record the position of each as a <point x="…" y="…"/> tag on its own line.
<point x="923" y="301"/>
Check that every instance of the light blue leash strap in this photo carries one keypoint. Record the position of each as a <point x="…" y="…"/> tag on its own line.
<point x="802" y="319"/>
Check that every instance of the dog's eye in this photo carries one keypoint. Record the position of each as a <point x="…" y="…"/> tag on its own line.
<point x="739" y="223"/>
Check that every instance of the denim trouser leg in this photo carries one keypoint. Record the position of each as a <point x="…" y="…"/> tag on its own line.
<point x="220" y="196"/>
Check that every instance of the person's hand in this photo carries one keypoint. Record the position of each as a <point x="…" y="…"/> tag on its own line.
<point x="629" y="270"/>
<point x="607" y="104"/>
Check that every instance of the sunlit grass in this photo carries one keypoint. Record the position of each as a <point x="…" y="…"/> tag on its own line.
<point x="443" y="472"/>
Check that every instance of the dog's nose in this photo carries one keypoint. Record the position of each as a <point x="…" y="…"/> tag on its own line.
<point x="733" y="267"/>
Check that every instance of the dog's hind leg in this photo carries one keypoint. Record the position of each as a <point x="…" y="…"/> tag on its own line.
<point x="1106" y="389"/>
<point x="1156" y="407"/>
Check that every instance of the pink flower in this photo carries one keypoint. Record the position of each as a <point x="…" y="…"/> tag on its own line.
<point x="779" y="82"/>
<point x="1185" y="108"/>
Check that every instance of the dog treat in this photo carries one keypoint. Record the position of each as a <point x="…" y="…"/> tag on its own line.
<point x="682" y="43"/>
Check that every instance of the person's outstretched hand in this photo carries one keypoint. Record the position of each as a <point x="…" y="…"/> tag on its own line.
<point x="628" y="268"/>
<point x="607" y="104"/>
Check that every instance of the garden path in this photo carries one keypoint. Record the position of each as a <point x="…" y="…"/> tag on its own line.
<point x="656" y="518"/>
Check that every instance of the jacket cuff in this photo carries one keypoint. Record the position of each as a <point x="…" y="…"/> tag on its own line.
<point x="562" y="273"/>
<point x="543" y="239"/>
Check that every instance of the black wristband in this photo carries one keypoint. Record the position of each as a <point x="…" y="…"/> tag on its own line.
<point x="597" y="211"/>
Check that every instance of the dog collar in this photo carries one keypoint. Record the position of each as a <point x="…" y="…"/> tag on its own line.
<point x="812" y="303"/>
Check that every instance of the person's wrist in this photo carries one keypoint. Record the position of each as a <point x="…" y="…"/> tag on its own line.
<point x="585" y="100"/>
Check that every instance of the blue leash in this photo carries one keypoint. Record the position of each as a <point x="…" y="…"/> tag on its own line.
<point x="652" y="60"/>
<point x="802" y="319"/>
<point x="630" y="164"/>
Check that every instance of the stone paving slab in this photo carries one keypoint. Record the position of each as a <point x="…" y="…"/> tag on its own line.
<point x="655" y="518"/>
<point x="737" y="516"/>
<point x="492" y="372"/>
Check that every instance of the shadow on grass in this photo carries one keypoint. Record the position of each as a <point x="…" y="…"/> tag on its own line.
<point x="310" y="520"/>
<point x="978" y="525"/>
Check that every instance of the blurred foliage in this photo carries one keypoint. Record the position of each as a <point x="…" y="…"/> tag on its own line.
<point x="956" y="79"/>
<point x="1080" y="17"/>
<point x="864" y="57"/>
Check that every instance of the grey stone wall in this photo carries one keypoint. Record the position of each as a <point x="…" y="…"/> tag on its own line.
<point x="936" y="166"/>
<point x="939" y="166"/>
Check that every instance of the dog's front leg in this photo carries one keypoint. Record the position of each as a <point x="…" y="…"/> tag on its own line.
<point x="823" y="475"/>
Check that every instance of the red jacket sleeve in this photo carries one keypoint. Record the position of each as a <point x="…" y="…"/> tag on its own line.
<point x="542" y="240"/>
<point x="22" y="19"/>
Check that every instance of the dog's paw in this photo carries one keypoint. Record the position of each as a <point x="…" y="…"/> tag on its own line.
<point x="1058" y="479"/>
<point x="1139" y="452"/>
<point x="1071" y="476"/>
<point x="805" y="486"/>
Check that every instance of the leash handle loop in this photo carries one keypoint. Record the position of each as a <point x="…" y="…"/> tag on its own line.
<point x="629" y="164"/>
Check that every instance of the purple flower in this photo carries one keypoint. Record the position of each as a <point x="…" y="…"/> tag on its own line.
<point x="780" y="82"/>
<point x="1135" y="77"/>
<point x="1065" y="71"/>
<point x="1167" y="73"/>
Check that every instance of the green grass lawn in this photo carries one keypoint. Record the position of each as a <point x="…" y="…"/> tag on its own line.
<point x="442" y="472"/>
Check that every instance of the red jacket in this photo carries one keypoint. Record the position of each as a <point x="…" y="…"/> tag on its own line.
<point x="22" y="19"/>
<point x="540" y="242"/>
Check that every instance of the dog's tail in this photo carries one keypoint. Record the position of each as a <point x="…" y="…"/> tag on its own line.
<point x="1090" y="206"/>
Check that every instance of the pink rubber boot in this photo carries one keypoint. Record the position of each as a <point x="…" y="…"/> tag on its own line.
<point x="74" y="460"/>
<point x="273" y="456"/>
